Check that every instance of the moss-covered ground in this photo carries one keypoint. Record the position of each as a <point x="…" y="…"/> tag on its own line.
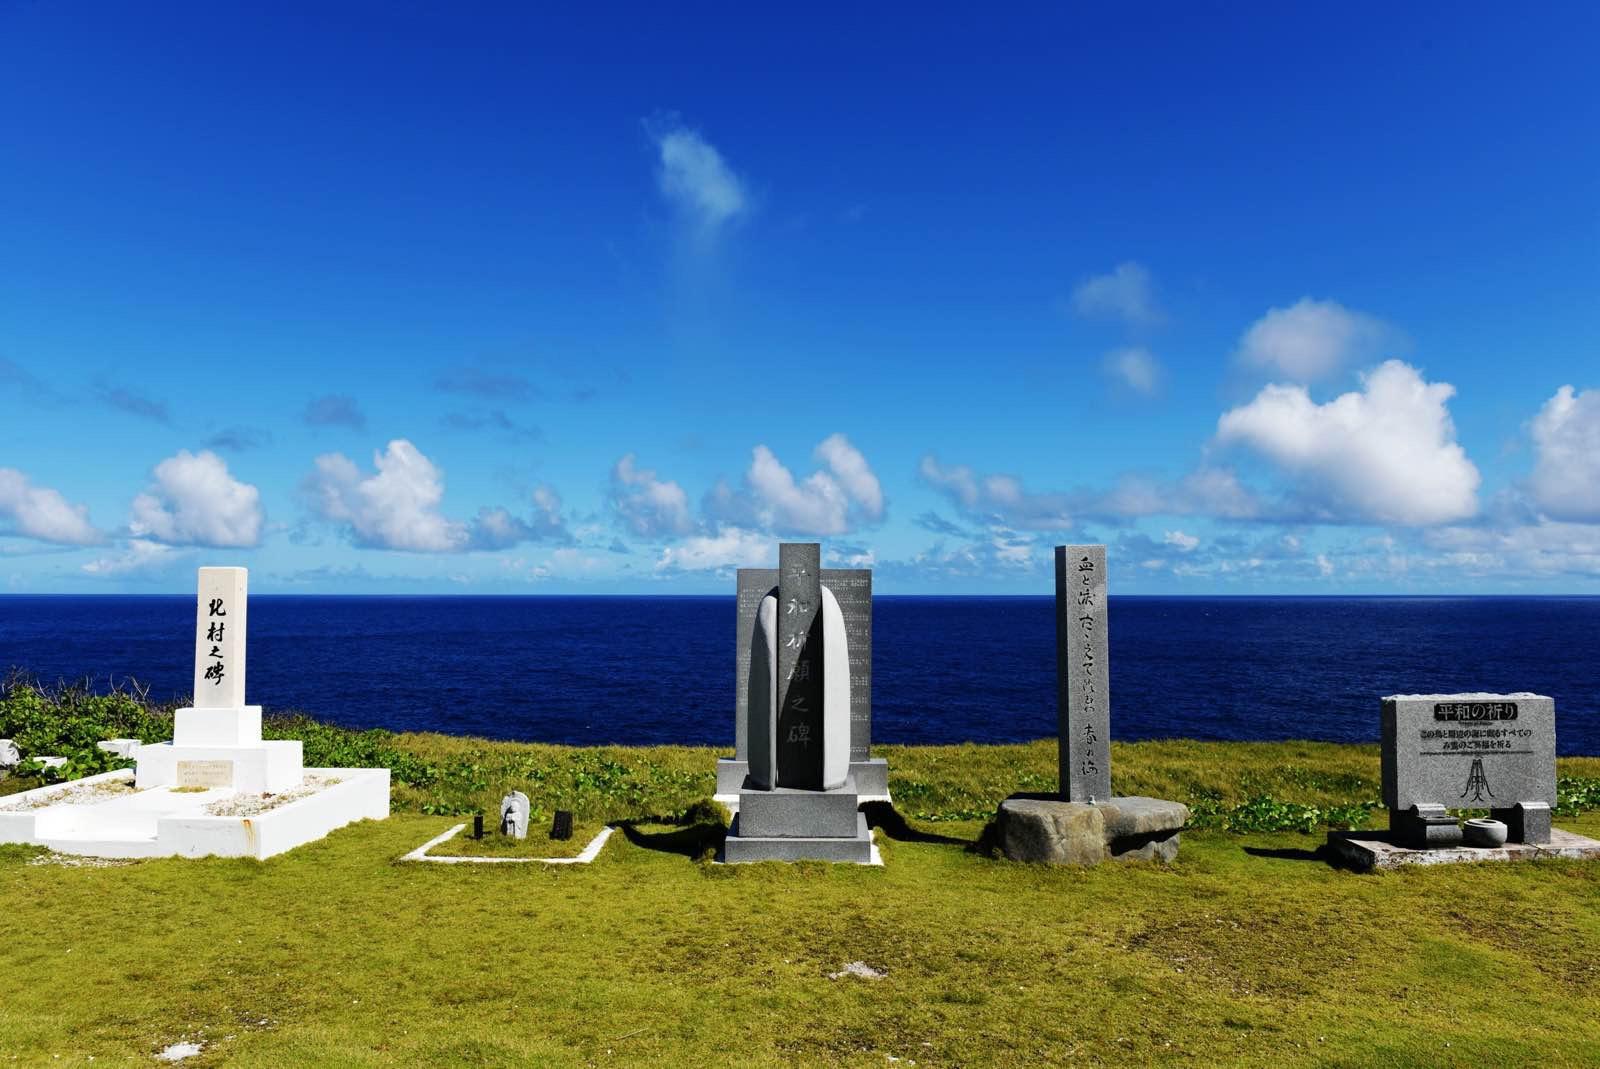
<point x="1250" y="950"/>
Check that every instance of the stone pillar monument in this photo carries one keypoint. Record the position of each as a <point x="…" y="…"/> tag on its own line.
<point x="1083" y="676"/>
<point x="1084" y="823"/>
<point x="216" y="742"/>
<point x="799" y="798"/>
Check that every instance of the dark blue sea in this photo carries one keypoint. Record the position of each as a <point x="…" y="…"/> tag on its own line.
<point x="945" y="669"/>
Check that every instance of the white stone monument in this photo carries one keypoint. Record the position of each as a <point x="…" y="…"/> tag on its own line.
<point x="217" y="787"/>
<point x="217" y="741"/>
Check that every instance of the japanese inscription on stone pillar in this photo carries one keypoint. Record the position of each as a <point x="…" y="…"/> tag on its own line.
<point x="1083" y="679"/>
<point x="799" y="741"/>
<point x="219" y="639"/>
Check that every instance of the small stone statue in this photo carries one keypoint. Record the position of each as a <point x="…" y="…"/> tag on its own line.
<point x="514" y="810"/>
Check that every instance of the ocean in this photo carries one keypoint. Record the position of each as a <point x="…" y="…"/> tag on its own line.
<point x="641" y="670"/>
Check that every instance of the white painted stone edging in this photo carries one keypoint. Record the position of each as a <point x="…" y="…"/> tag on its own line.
<point x="588" y="854"/>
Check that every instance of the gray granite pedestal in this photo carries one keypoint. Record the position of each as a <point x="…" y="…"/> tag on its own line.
<point x="785" y="824"/>
<point x="1046" y="828"/>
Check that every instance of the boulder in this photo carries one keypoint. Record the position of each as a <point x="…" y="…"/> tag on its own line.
<point x="10" y="756"/>
<point x="1047" y="829"/>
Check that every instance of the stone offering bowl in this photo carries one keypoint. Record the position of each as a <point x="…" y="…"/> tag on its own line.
<point x="1481" y="831"/>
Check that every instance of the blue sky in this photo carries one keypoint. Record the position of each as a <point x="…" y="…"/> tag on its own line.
<point x="404" y="298"/>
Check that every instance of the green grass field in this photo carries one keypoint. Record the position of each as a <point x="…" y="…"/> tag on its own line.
<point x="1248" y="951"/>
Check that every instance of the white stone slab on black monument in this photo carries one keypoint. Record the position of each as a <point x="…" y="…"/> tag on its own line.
<point x="852" y="589"/>
<point x="1084" y="823"/>
<point x="799" y="799"/>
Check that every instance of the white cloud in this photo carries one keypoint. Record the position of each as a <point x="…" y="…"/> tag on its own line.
<point x="647" y="506"/>
<point x="1566" y="476"/>
<point x="1183" y="543"/>
<point x="194" y="501"/>
<point x="498" y="528"/>
<point x="998" y="498"/>
<point x="1385" y="454"/>
<point x="693" y="176"/>
<point x="1136" y="368"/>
<point x="42" y="513"/>
<point x="1124" y="294"/>
<point x="850" y="468"/>
<point x="138" y="556"/>
<point x="1311" y="339"/>
<point x="828" y="502"/>
<point x="732" y="547"/>
<point x="395" y="508"/>
<point x="1537" y="550"/>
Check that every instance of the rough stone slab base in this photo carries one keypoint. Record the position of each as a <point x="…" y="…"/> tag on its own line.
<point x="785" y="812"/>
<point x="1048" y="829"/>
<point x="857" y="849"/>
<point x="163" y="822"/>
<point x="871" y="776"/>
<point x="1366" y="851"/>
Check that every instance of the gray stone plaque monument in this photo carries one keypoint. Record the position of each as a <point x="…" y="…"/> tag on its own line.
<point x="1084" y="823"/>
<point x="852" y="588"/>
<point x="798" y="798"/>
<point x="1468" y="751"/>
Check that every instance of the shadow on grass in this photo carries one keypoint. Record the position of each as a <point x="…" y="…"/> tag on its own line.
<point x="884" y="816"/>
<point x="690" y="841"/>
<point x="1320" y="854"/>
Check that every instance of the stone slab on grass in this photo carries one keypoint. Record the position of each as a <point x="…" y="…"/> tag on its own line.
<point x="1366" y="851"/>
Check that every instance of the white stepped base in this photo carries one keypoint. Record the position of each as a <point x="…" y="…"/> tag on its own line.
<point x="259" y="768"/>
<point x="163" y="822"/>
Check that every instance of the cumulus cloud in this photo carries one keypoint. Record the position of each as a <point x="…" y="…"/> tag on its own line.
<point x="498" y="528"/>
<point x="139" y="556"/>
<point x="648" y="506"/>
<point x="42" y="513"/>
<point x="334" y="410"/>
<point x="1384" y="454"/>
<point x="693" y="176"/>
<point x="1125" y="293"/>
<point x="1209" y="490"/>
<point x="997" y="498"/>
<point x="1135" y="368"/>
<point x="1311" y="339"/>
<point x="396" y="507"/>
<point x="1566" y="475"/>
<point x="194" y="501"/>
<point x="731" y="547"/>
<point x="831" y="501"/>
